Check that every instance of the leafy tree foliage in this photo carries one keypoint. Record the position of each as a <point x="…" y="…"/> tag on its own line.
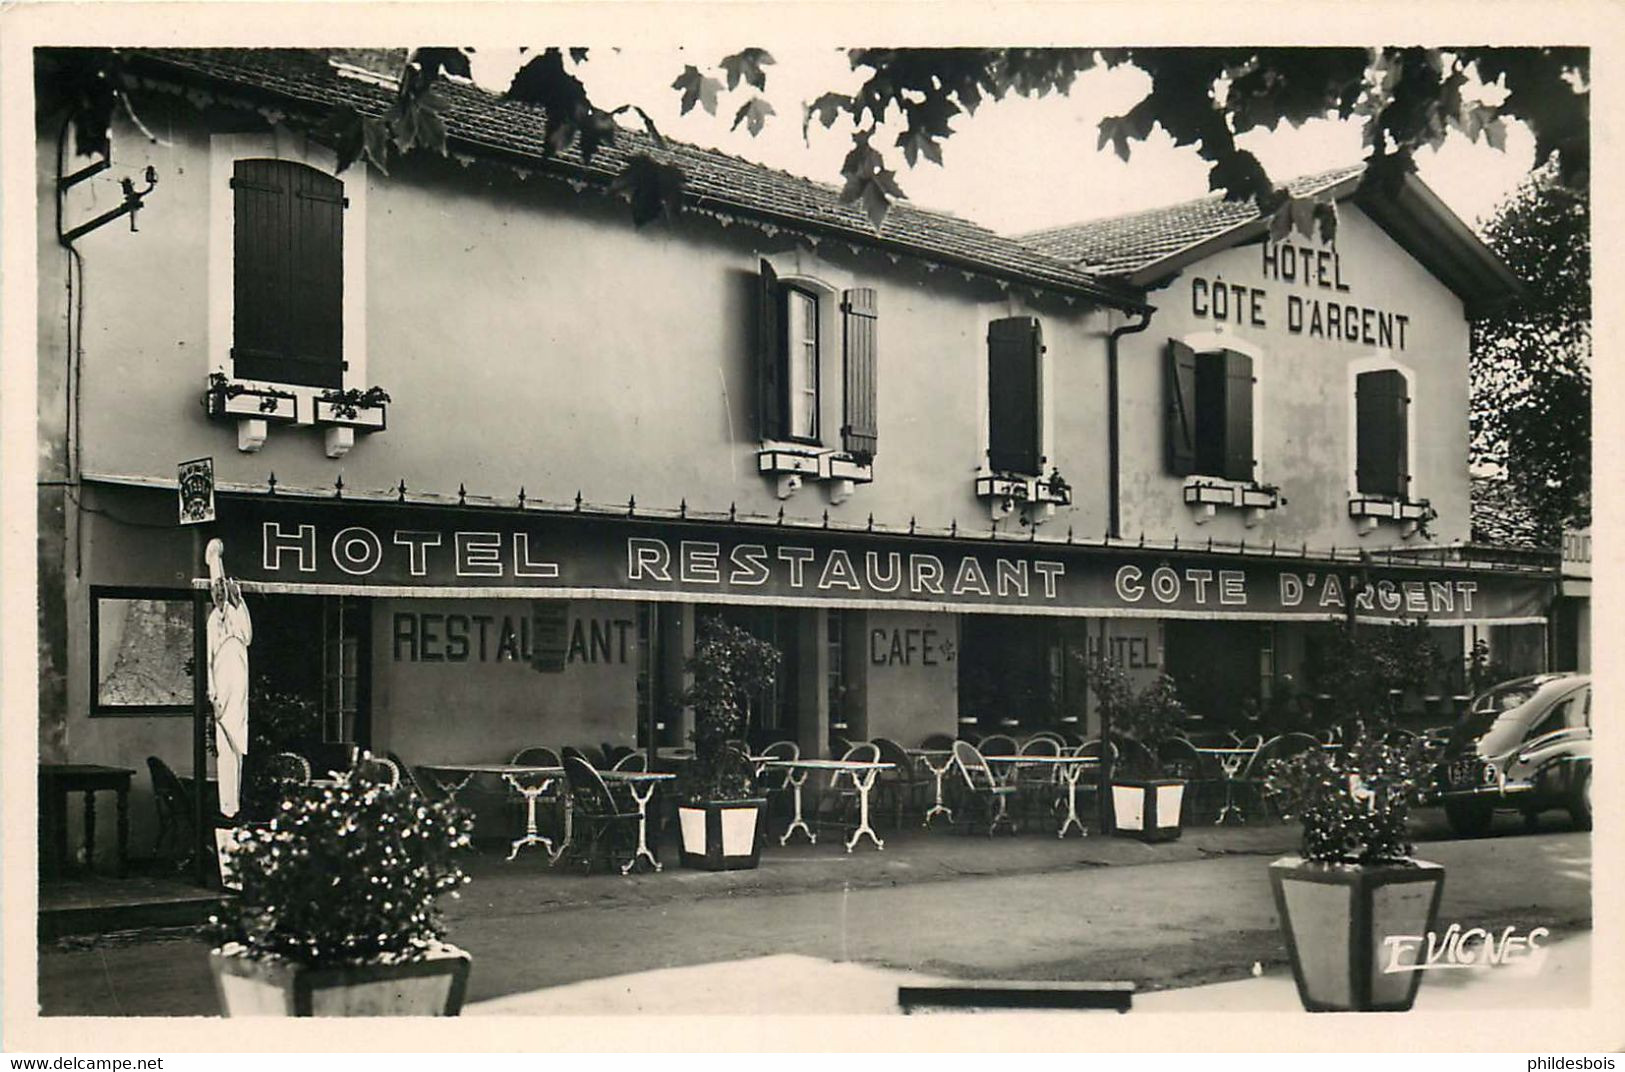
<point x="1203" y="97"/>
<point x="1531" y="363"/>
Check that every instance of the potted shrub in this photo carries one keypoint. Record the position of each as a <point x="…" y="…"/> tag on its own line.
<point x="720" y="813"/>
<point x="1355" y="885"/>
<point x="337" y="914"/>
<point x="1146" y="801"/>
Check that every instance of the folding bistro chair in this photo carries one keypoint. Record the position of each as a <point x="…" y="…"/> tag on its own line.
<point x="981" y="789"/>
<point x="600" y="820"/>
<point x="288" y="768"/>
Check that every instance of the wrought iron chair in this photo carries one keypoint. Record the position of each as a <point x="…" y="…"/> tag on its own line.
<point x="774" y="782"/>
<point x="901" y="785"/>
<point x="981" y="789"/>
<point x="288" y="768"/>
<point x="1180" y="759"/>
<point x="1037" y="787"/>
<point x="842" y="790"/>
<point x="600" y="819"/>
<point x="998" y="744"/>
<point x="176" y="828"/>
<point x="378" y="770"/>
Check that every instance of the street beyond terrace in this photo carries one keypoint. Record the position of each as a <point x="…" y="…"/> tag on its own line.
<point x="956" y="907"/>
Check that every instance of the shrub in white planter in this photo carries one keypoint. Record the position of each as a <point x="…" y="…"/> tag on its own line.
<point x="720" y="813"/>
<point x="1355" y="883"/>
<point x="337" y="914"/>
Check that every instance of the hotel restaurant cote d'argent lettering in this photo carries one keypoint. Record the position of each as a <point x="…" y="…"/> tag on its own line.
<point x="929" y="464"/>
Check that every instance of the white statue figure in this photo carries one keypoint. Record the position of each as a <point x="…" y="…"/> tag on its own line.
<point x="230" y="632"/>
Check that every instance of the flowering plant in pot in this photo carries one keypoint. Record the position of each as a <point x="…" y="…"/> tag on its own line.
<point x="338" y="914"/>
<point x="1146" y="799"/>
<point x="1355" y="888"/>
<point x="720" y="811"/>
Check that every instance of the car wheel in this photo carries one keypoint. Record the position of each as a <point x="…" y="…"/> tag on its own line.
<point x="1531" y="821"/>
<point x="1580" y="801"/>
<point x="1468" y="818"/>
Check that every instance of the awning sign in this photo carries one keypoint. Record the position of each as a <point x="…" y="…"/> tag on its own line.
<point x="410" y="552"/>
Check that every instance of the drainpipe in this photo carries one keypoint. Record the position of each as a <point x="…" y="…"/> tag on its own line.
<point x="1114" y="448"/>
<point x="1114" y="453"/>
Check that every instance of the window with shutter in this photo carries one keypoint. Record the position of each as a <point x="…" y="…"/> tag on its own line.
<point x="1382" y="419"/>
<point x="1209" y="413"/>
<point x="860" y="432"/>
<point x="1181" y="425"/>
<point x="1014" y="395"/>
<point x="288" y="274"/>
<point x="1238" y="416"/>
<point x="770" y="354"/>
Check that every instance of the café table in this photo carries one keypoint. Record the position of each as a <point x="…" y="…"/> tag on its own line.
<point x="634" y="781"/>
<point x="863" y="776"/>
<point x="528" y="781"/>
<point x="1231" y="762"/>
<point x="939" y="771"/>
<point x="1070" y="769"/>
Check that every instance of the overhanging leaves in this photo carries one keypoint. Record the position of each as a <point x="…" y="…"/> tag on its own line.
<point x="655" y="189"/>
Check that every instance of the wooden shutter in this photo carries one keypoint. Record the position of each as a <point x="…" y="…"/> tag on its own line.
<point x="771" y="378"/>
<point x="860" y="430"/>
<point x="1181" y="423"/>
<point x="1238" y="416"/>
<point x="1382" y="419"/>
<point x="288" y="274"/>
<point x="1013" y="348"/>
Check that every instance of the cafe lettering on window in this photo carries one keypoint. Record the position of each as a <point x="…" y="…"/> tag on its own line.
<point x="424" y="552"/>
<point x="1306" y="293"/>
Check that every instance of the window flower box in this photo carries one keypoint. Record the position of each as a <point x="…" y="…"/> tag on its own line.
<point x="793" y="465"/>
<point x="254" y="409"/>
<point x="344" y="412"/>
<point x="1369" y="511"/>
<point x="1037" y="495"/>
<point x="1207" y="495"/>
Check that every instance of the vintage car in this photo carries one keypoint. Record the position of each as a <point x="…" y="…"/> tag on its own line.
<point x="1524" y="744"/>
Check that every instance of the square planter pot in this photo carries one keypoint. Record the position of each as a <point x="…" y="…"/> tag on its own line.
<point x="721" y="835"/>
<point x="433" y="986"/>
<point x="1336" y="917"/>
<point x="1147" y="808"/>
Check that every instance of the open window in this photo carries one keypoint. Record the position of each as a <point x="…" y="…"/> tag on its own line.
<point x="818" y="377"/>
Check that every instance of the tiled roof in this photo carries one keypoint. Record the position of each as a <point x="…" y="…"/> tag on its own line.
<point x="479" y="120"/>
<point x="1122" y="245"/>
<point x="1500" y="519"/>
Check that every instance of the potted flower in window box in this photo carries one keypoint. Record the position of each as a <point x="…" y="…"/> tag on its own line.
<point x="343" y="412"/>
<point x="720" y="812"/>
<point x="254" y="409"/>
<point x="1146" y="801"/>
<point x="337" y="914"/>
<point x="1353" y="895"/>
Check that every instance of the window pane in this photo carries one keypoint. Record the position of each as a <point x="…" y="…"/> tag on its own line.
<point x="801" y="328"/>
<point x="1210" y="414"/>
